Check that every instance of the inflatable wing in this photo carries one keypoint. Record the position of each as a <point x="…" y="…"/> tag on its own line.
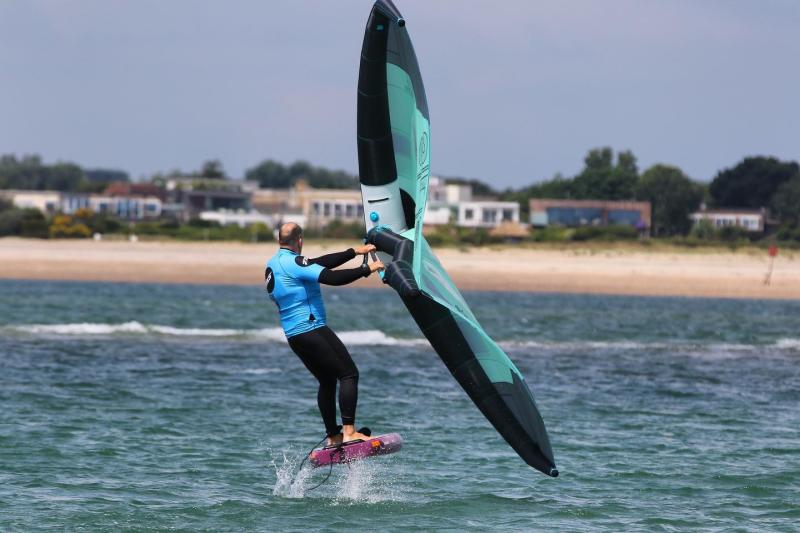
<point x="394" y="167"/>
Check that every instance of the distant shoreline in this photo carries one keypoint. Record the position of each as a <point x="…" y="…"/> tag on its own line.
<point x="590" y="269"/>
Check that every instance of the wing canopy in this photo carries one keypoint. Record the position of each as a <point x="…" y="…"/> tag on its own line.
<point x="394" y="149"/>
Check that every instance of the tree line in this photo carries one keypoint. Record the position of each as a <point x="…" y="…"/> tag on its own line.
<point x="30" y="173"/>
<point x="755" y="182"/>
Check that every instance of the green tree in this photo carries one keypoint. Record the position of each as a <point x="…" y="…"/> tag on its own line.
<point x="786" y="201"/>
<point x="558" y="188"/>
<point x="673" y="197"/>
<point x="752" y="182"/>
<point x="105" y="176"/>
<point x="603" y="179"/>
<point x="270" y="174"/>
<point x="63" y="177"/>
<point x="275" y="175"/>
<point x="212" y="169"/>
<point x="479" y="188"/>
<point x="28" y="172"/>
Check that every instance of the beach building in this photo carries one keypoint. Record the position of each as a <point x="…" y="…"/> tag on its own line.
<point x="186" y="198"/>
<point x="447" y="203"/>
<point x="128" y="207"/>
<point x="454" y="203"/>
<point x="317" y="207"/>
<point x="574" y="213"/>
<point x="225" y="217"/>
<point x="752" y="220"/>
<point x="124" y="207"/>
<point x="48" y="202"/>
<point x="486" y="213"/>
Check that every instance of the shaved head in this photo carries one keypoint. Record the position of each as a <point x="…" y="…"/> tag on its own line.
<point x="289" y="234"/>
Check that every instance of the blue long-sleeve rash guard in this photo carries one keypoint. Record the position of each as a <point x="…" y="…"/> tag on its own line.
<point x="292" y="282"/>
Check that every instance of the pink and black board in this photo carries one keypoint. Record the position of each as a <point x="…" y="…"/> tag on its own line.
<point x="355" y="450"/>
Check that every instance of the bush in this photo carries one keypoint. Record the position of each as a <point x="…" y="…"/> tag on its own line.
<point x="445" y="235"/>
<point x="341" y="230"/>
<point x="105" y="224"/>
<point x="149" y="228"/>
<point x="734" y="234"/>
<point x="552" y="234"/>
<point x="788" y="233"/>
<point x="200" y="223"/>
<point x="10" y="220"/>
<point x="703" y="230"/>
<point x="605" y="233"/>
<point x="34" y="227"/>
<point x="64" y="226"/>
<point x="23" y="222"/>
<point x="337" y="230"/>
<point x="476" y="236"/>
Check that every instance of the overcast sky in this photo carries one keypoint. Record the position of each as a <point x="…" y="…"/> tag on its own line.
<point x="518" y="90"/>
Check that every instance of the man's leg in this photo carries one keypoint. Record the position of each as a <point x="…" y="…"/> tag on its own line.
<point x="313" y="350"/>
<point x="347" y="373"/>
<point x="326" y="401"/>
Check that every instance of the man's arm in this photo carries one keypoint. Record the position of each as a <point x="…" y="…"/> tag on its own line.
<point x="333" y="260"/>
<point x="348" y="275"/>
<point x="339" y="258"/>
<point x="345" y="276"/>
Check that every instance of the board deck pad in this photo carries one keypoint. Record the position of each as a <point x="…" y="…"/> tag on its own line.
<point x="355" y="450"/>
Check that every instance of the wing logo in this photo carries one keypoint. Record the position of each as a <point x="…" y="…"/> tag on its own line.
<point x="422" y="152"/>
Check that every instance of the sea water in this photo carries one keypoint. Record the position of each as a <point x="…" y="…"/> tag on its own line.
<point x="134" y="407"/>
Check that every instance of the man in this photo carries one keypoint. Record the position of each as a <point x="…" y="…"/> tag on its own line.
<point x="293" y="284"/>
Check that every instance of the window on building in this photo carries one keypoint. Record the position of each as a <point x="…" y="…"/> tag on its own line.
<point x="360" y="209"/>
<point x="326" y="209"/>
<point x="337" y="210"/>
<point x="349" y="210"/>
<point x="469" y="214"/>
<point x="490" y="216"/>
<point x="624" y="216"/>
<point x="508" y="214"/>
<point x="315" y="208"/>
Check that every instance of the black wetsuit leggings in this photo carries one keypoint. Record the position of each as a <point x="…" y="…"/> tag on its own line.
<point x="327" y="358"/>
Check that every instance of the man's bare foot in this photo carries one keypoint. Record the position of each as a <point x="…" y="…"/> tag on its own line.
<point x="355" y="435"/>
<point x="333" y="441"/>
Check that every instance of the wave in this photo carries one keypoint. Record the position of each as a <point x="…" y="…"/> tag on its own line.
<point x="715" y="350"/>
<point x="375" y="337"/>
<point x="88" y="329"/>
<point x="789" y="344"/>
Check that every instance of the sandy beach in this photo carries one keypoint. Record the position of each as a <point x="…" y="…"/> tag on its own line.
<point x="609" y="270"/>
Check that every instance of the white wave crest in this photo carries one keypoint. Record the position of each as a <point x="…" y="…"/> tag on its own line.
<point x="788" y="344"/>
<point x="374" y="337"/>
<point x="582" y="345"/>
<point x="86" y="329"/>
<point x="700" y="349"/>
<point x="79" y="329"/>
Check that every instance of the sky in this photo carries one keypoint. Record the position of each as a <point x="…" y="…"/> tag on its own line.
<point x="518" y="90"/>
